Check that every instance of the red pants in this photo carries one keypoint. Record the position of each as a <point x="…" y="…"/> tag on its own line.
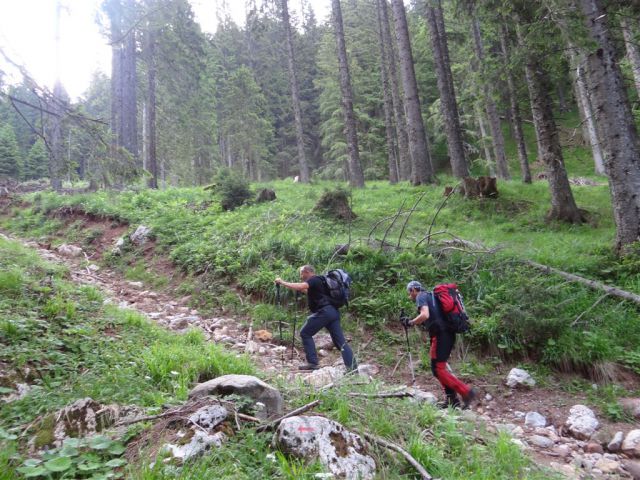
<point x="441" y="346"/>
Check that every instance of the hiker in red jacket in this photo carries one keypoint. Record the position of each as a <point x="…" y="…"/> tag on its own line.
<point x="442" y="341"/>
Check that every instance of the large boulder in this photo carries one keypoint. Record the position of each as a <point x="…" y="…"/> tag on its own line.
<point x="631" y="444"/>
<point x="312" y="438"/>
<point x="246" y="385"/>
<point x="582" y="422"/>
<point x="326" y="375"/>
<point x="82" y="418"/>
<point x="518" y="377"/>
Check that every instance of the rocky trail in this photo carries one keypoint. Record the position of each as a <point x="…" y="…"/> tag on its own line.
<point x="552" y="425"/>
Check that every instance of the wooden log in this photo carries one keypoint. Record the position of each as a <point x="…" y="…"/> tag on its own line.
<point x="594" y="284"/>
<point x="397" y="448"/>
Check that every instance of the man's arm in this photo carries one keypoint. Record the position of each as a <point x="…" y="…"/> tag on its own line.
<point x="422" y="317"/>
<point x="297" y="286"/>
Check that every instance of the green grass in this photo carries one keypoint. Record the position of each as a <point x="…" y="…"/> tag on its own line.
<point x="62" y="340"/>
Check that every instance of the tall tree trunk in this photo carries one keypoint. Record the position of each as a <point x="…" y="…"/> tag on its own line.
<point x="422" y="169"/>
<point x="356" y="177"/>
<point x="516" y="118"/>
<point x="633" y="51"/>
<point x="392" y="157"/>
<point x="479" y="114"/>
<point x="502" y="166"/>
<point x="116" y="79"/>
<point x="129" y="138"/>
<point x="581" y="112"/>
<point x="295" y="96"/>
<point x="563" y="205"/>
<point x="150" y="116"/>
<point x="56" y="155"/>
<point x="616" y="127"/>
<point x="404" y="155"/>
<point x="448" y="104"/>
<point x="576" y="59"/>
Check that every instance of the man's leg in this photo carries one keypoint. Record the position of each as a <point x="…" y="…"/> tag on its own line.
<point x="441" y="347"/>
<point x="314" y="323"/>
<point x="337" y="336"/>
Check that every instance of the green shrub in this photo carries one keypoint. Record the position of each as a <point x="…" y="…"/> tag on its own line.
<point x="232" y="189"/>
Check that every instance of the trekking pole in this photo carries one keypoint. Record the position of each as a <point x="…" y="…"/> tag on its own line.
<point x="406" y="336"/>
<point x="279" y="318"/>
<point x="295" y="317"/>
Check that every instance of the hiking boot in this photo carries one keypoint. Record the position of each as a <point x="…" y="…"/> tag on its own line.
<point x="469" y="398"/>
<point x="308" y="366"/>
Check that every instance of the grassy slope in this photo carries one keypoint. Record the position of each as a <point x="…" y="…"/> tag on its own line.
<point x="80" y="347"/>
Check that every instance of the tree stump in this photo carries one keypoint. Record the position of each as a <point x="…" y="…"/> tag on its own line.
<point x="486" y="187"/>
<point x="335" y="204"/>
<point x="266" y="195"/>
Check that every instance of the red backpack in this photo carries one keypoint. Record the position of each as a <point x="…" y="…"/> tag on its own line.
<point x="452" y="307"/>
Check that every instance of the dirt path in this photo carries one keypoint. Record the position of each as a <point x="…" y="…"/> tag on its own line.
<point x="500" y="407"/>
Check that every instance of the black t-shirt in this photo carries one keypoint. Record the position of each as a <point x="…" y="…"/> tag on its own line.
<point x="434" y="322"/>
<point x="316" y="294"/>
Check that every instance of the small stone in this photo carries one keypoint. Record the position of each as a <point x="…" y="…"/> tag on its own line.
<point x="69" y="250"/>
<point x="251" y="347"/>
<point x="616" y="442"/>
<point x="534" y="419"/>
<point x="135" y="284"/>
<point x="631" y="444"/>
<point x="93" y="267"/>
<point x="323" y="353"/>
<point x="562" y="450"/>
<point x="488" y="397"/>
<point x="593" y="447"/>
<point x="631" y="406"/>
<point x="607" y="466"/>
<point x="141" y="235"/>
<point x="540" y="441"/>
<point x="633" y="468"/>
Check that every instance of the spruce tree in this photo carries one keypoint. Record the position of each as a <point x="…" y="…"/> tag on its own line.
<point x="9" y="152"/>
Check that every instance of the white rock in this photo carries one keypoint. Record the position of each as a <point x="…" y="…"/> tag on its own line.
<point x="562" y="450"/>
<point x="631" y="444"/>
<point x="93" y="267"/>
<point x="135" y="284"/>
<point x="200" y="442"/>
<point x="340" y="451"/>
<point x="534" y="420"/>
<point x="582" y="422"/>
<point x="324" y="376"/>
<point x="141" y="235"/>
<point x="69" y="250"/>
<point x="519" y="377"/>
<point x="421" y="396"/>
<point x="488" y="397"/>
<point x="607" y="466"/>
<point x="518" y="414"/>
<point x="616" y="442"/>
<point x="209" y="417"/>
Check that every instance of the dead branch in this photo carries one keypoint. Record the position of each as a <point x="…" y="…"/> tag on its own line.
<point x="433" y="220"/>
<point x="393" y="222"/>
<point x="413" y="209"/>
<point x="397" y="448"/>
<point x="615" y="291"/>
<point x="292" y="413"/>
<point x="602" y="297"/>
<point x="381" y="394"/>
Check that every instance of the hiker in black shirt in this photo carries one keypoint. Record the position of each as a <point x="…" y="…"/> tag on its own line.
<point x="442" y="341"/>
<point x="323" y="315"/>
